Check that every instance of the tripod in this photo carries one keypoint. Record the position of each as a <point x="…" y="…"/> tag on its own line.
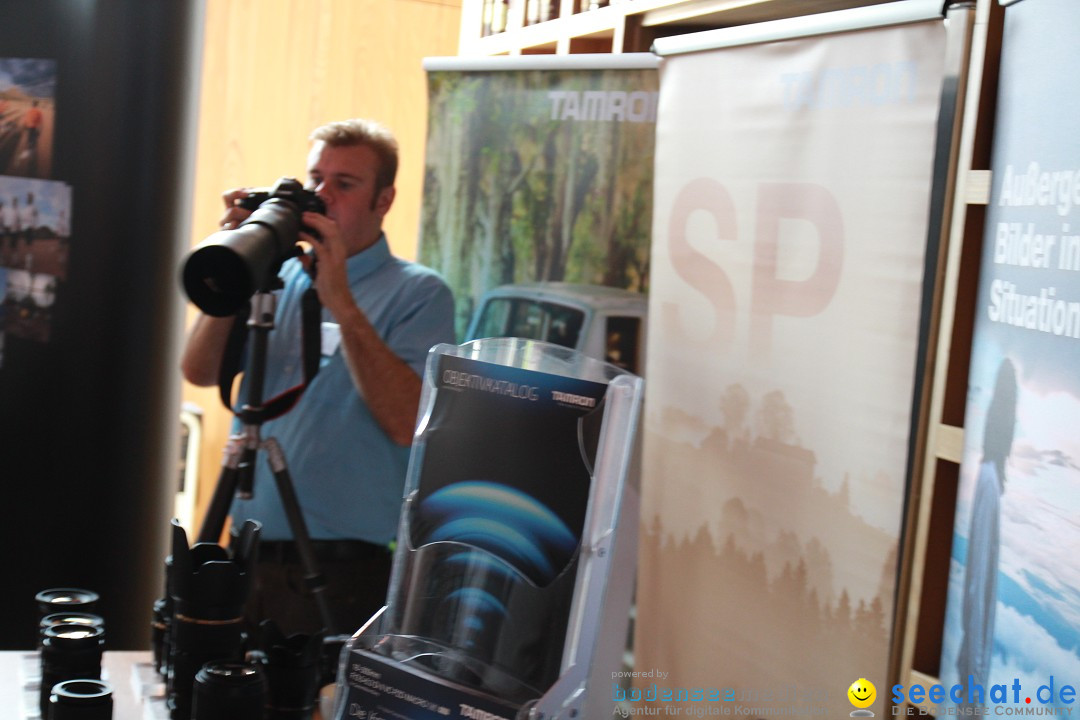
<point x="238" y="467"/>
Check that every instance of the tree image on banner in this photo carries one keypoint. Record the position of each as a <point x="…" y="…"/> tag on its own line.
<point x="538" y="176"/>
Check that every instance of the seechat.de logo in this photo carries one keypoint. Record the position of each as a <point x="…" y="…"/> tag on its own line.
<point x="862" y="694"/>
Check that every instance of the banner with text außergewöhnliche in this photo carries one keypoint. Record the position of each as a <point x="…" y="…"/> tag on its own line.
<point x="1013" y="614"/>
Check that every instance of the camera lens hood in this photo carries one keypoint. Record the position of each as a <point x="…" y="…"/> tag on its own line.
<point x="230" y="266"/>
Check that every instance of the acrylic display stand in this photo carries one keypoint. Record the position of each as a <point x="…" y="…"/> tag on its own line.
<point x="514" y="567"/>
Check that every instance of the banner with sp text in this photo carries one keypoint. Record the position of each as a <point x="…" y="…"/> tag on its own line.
<point x="793" y="187"/>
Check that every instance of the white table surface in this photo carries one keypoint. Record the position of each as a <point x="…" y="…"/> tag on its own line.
<point x="128" y="672"/>
<point x="138" y="692"/>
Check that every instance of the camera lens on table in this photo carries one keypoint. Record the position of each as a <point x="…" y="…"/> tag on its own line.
<point x="68" y="618"/>
<point x="229" y="691"/>
<point x="292" y="671"/>
<point x="56" y="600"/>
<point x="210" y="587"/>
<point x="80" y="700"/>
<point x="69" y="652"/>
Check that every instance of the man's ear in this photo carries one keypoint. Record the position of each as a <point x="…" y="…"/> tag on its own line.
<point x="384" y="199"/>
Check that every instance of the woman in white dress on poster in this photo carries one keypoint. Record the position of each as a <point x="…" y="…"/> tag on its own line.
<point x="980" y="578"/>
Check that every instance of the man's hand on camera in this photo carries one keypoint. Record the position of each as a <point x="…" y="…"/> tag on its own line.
<point x="234" y="214"/>
<point x="328" y="252"/>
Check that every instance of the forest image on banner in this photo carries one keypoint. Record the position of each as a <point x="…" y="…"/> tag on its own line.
<point x="538" y="175"/>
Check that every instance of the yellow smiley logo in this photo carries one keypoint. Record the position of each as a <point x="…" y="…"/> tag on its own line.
<point x="862" y="693"/>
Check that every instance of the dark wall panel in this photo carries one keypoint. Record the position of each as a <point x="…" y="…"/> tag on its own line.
<point x="88" y="420"/>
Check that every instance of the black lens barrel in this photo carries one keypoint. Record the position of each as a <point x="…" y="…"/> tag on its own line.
<point x="292" y="667"/>
<point x="229" y="691"/>
<point x="81" y="700"/>
<point x="226" y="269"/>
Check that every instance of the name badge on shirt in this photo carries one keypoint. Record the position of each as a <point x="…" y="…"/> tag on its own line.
<point x="331" y="338"/>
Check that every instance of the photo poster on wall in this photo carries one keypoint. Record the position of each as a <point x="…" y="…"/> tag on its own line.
<point x="35" y="213"/>
<point x="1013" y="610"/>
<point x="538" y="169"/>
<point x="793" y="193"/>
<point x="27" y="116"/>
<point x="35" y="227"/>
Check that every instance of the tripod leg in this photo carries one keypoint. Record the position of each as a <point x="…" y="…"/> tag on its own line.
<point x="218" y="510"/>
<point x="315" y="581"/>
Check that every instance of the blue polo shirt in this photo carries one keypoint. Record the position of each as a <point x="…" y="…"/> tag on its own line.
<point x="349" y="477"/>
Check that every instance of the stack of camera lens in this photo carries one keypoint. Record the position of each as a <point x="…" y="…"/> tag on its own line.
<point x="71" y="640"/>
<point x="69" y="652"/>
<point x="209" y="586"/>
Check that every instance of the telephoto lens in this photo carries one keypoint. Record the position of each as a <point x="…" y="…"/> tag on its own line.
<point x="226" y="269"/>
<point x="210" y="587"/>
<point x="292" y="671"/>
<point x="69" y="652"/>
<point x="68" y="618"/>
<point x="56" y="600"/>
<point x="81" y="700"/>
<point x="229" y="691"/>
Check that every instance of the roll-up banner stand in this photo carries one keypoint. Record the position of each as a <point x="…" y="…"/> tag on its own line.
<point x="795" y="179"/>
<point x="539" y="169"/>
<point x="1011" y="642"/>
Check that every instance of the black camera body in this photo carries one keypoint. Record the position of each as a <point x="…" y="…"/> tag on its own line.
<point x="286" y="189"/>
<point x="226" y="269"/>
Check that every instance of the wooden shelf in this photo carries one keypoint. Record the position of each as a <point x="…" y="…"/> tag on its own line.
<point x="555" y="35"/>
<point x="613" y="28"/>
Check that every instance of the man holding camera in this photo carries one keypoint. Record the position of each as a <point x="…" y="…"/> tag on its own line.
<point x="347" y="440"/>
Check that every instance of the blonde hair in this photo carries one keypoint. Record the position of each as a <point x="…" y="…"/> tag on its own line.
<point x="368" y="133"/>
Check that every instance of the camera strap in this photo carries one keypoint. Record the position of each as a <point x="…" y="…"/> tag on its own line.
<point x="234" y="350"/>
<point x="311" y="347"/>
